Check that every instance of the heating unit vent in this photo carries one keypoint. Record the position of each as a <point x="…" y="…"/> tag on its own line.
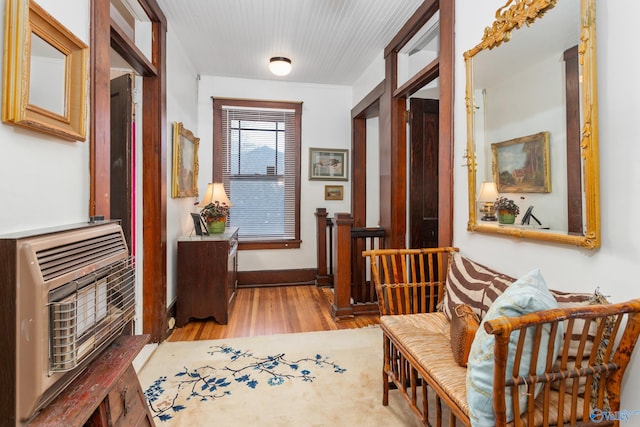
<point x="88" y="312"/>
<point x="59" y="260"/>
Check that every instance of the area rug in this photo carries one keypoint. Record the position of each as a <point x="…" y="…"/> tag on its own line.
<point x="307" y="379"/>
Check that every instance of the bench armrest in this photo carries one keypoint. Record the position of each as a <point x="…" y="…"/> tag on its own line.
<point x="610" y="330"/>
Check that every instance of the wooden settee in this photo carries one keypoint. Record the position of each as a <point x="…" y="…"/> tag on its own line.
<point x="580" y="387"/>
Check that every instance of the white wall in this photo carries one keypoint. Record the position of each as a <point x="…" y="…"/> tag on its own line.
<point x="182" y="101"/>
<point x="369" y="79"/>
<point x="615" y="266"/>
<point x="44" y="180"/>
<point x="326" y="123"/>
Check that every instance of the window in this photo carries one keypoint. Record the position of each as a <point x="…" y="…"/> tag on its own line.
<point x="257" y="157"/>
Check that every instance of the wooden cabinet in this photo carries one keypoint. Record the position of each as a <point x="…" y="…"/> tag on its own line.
<point x="108" y="393"/>
<point x="207" y="276"/>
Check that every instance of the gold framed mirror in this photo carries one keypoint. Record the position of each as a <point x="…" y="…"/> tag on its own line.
<point x="45" y="73"/>
<point x="185" y="162"/>
<point x="535" y="71"/>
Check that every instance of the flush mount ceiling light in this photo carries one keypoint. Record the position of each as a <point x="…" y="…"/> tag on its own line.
<point x="280" y="66"/>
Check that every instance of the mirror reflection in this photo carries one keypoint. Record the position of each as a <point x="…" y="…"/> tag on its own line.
<point x="47" y="76"/>
<point x="525" y="121"/>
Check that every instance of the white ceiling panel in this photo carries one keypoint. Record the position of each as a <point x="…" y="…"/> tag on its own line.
<point x="328" y="41"/>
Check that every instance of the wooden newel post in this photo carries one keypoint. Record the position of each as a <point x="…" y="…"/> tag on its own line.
<point x="342" y="279"/>
<point x="323" y="278"/>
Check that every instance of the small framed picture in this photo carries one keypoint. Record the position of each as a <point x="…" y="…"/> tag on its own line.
<point x="328" y="164"/>
<point x="333" y="192"/>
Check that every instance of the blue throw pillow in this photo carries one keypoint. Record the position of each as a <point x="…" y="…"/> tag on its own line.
<point x="528" y="294"/>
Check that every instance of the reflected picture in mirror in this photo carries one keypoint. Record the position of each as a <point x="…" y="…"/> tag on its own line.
<point x="527" y="81"/>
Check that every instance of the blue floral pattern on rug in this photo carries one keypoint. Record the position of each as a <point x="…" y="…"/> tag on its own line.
<point x="238" y="368"/>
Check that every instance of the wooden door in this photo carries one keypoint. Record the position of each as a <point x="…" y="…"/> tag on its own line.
<point x="423" y="173"/>
<point x="122" y="159"/>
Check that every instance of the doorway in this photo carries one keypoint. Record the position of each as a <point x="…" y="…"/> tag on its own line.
<point x="423" y="173"/>
<point x="122" y="171"/>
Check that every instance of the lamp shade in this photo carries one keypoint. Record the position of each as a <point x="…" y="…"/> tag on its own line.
<point x="488" y="192"/>
<point x="280" y="66"/>
<point x="215" y="193"/>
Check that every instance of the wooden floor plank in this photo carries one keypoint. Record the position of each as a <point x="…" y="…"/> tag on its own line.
<point x="273" y="310"/>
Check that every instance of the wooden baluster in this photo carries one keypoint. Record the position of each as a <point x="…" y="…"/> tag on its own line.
<point x="323" y="278"/>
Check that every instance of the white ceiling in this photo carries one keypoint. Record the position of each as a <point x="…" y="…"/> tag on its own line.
<point x="328" y="41"/>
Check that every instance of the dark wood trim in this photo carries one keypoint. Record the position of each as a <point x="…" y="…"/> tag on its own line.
<point x="154" y="190"/>
<point x="324" y="250"/>
<point x="446" y="146"/>
<point x="359" y="171"/>
<point x="100" y="106"/>
<point x="393" y="166"/>
<point x="250" y="279"/>
<point x="9" y="338"/>
<point x="154" y="144"/>
<point x="417" y="82"/>
<point x="127" y="48"/>
<point x="341" y="308"/>
<point x="385" y="145"/>
<point x="368" y="106"/>
<point x="574" y="152"/>
<point x="365" y="308"/>
<point x="420" y="17"/>
<point x="269" y="244"/>
<point x="218" y="103"/>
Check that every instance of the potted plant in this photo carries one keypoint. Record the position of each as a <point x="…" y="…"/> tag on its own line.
<point x="507" y="210"/>
<point x="215" y="215"/>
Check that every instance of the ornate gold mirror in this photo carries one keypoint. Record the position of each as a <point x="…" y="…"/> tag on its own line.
<point x="532" y="121"/>
<point x="45" y="73"/>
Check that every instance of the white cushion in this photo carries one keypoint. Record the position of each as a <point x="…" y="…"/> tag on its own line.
<point x="528" y="294"/>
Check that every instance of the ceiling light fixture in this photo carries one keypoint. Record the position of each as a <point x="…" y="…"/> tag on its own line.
<point x="280" y="66"/>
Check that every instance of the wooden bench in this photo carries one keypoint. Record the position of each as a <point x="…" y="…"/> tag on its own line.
<point x="418" y="359"/>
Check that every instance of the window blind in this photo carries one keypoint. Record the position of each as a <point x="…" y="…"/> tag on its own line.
<point x="260" y="171"/>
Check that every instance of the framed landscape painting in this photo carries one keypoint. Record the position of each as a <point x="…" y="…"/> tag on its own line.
<point x="328" y="164"/>
<point x="185" y="162"/>
<point x="521" y="165"/>
<point x="333" y="192"/>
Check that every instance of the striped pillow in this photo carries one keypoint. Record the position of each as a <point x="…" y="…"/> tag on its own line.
<point x="472" y="284"/>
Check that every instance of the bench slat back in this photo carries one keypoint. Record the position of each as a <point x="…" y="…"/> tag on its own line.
<point x="409" y="281"/>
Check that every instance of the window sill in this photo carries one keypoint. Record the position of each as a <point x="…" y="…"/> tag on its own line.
<point x="269" y="244"/>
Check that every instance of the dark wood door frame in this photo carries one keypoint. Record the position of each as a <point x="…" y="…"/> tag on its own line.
<point x="393" y="147"/>
<point x="367" y="108"/>
<point x="104" y="35"/>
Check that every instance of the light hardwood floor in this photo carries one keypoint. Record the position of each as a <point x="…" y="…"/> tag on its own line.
<point x="273" y="310"/>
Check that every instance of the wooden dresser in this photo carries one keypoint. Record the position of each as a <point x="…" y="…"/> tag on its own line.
<point x="207" y="276"/>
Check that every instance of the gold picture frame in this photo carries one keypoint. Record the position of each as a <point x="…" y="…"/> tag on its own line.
<point x="185" y="162"/>
<point x="521" y="165"/>
<point x="333" y="192"/>
<point x="45" y="73"/>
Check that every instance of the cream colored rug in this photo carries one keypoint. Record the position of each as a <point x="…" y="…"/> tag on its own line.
<point x="310" y="379"/>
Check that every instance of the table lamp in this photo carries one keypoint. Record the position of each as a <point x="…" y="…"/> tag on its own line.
<point x="488" y="194"/>
<point x="215" y="193"/>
